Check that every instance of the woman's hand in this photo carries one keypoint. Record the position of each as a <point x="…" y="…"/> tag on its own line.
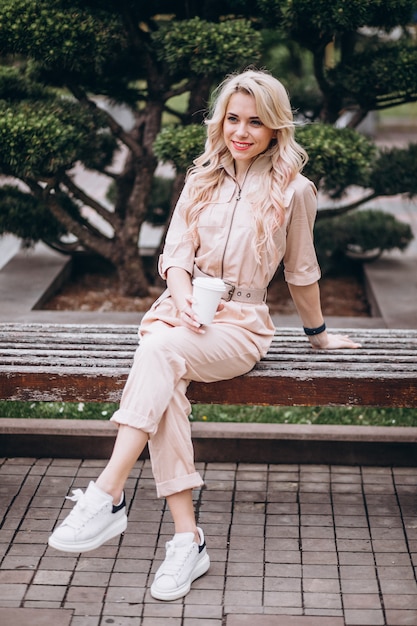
<point x="189" y="318"/>
<point x="326" y="341"/>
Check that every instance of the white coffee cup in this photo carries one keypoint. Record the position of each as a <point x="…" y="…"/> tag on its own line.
<point x="207" y="293"/>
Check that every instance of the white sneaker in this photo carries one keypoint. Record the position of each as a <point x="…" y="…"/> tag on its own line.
<point x="93" y="521"/>
<point x="184" y="562"/>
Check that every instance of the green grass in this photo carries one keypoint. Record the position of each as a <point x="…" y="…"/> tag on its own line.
<point x="365" y="416"/>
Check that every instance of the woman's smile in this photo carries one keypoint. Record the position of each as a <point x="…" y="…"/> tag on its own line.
<point x="241" y="146"/>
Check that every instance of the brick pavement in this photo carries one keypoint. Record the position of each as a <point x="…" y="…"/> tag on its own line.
<point x="290" y="545"/>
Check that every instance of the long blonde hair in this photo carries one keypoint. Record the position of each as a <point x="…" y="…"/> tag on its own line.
<point x="286" y="155"/>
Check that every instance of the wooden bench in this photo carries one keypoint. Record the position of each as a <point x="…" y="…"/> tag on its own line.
<point x="85" y="363"/>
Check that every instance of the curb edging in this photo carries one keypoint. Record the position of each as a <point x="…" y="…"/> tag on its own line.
<point x="222" y="442"/>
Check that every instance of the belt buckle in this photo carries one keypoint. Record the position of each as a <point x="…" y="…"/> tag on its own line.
<point x="230" y="291"/>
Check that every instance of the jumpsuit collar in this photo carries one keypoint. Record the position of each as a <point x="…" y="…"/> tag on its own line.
<point x="258" y="164"/>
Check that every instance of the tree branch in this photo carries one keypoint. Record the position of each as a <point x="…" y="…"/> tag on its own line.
<point x="358" y="116"/>
<point x="86" y="199"/>
<point x="61" y="246"/>
<point x="341" y="210"/>
<point x="117" y="130"/>
<point x="181" y="116"/>
<point x="85" y="232"/>
<point x="391" y="100"/>
<point x="178" y="91"/>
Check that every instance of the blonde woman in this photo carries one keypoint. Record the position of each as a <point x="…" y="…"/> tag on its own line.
<point x="245" y="207"/>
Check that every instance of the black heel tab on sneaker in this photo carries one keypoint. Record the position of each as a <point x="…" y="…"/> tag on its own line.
<point x="118" y="507"/>
<point x="201" y="547"/>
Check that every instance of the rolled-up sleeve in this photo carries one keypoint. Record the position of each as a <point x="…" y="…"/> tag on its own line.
<point x="179" y="247"/>
<point x="300" y="260"/>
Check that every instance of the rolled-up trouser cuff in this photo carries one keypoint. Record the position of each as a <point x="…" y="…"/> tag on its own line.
<point x="135" y="420"/>
<point x="176" y="485"/>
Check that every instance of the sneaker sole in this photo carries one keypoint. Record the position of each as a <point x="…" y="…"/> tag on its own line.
<point x="117" y="528"/>
<point x="200" y="569"/>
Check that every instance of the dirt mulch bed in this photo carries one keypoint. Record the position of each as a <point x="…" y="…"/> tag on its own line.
<point x="342" y="295"/>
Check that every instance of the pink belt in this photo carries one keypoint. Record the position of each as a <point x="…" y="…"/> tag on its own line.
<point x="236" y="293"/>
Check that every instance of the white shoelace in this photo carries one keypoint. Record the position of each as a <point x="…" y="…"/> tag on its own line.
<point x="172" y="565"/>
<point x="81" y="513"/>
<point x="77" y="495"/>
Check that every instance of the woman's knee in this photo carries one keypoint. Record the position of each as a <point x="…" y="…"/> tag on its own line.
<point x="157" y="351"/>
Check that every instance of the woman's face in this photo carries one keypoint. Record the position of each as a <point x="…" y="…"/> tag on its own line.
<point x="243" y="132"/>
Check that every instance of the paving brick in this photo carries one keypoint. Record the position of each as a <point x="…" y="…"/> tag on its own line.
<point x="283" y="556"/>
<point x="84" y="608"/>
<point x="203" y="611"/>
<point x="354" y="545"/>
<point x="316" y="520"/>
<point x="283" y="599"/>
<point x="284" y="570"/>
<point x="319" y="545"/>
<point x="87" y="620"/>
<point x="399" y="617"/>
<point x="249" y="583"/>
<point x="388" y="545"/>
<point x="163" y="609"/>
<point x="361" y="601"/>
<point x="282" y="584"/>
<point x="369" y="586"/>
<point x="36" y="617"/>
<point x="52" y="577"/>
<point x="400" y="601"/>
<point x="317" y="532"/>
<point x="130" y="595"/>
<point x="400" y="586"/>
<point x="279" y="530"/>
<point x="357" y="572"/>
<point x="363" y="617"/>
<point x="202" y="621"/>
<point x="320" y="585"/>
<point x="320" y="558"/>
<point x="83" y="594"/>
<point x="320" y="571"/>
<point x="16" y="576"/>
<point x="322" y="600"/>
<point x="12" y="591"/>
<point x="390" y="560"/>
<point x="283" y="620"/>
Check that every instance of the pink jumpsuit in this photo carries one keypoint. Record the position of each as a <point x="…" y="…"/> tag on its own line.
<point x="170" y="356"/>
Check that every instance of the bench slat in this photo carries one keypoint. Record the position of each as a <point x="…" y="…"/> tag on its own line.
<point x="402" y="367"/>
<point x="253" y="388"/>
<point x="91" y="363"/>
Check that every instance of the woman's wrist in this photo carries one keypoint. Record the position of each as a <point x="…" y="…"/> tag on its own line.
<point x="317" y="336"/>
<point x="311" y="332"/>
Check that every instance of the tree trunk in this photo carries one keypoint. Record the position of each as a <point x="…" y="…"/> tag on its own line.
<point x="134" y="187"/>
<point x="331" y="101"/>
<point x="199" y="98"/>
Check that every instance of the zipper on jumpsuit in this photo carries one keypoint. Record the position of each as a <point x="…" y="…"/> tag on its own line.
<point x="239" y="195"/>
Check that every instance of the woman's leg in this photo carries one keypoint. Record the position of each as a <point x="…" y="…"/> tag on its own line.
<point x="181" y="506"/>
<point x="220" y="356"/>
<point x="127" y="448"/>
<point x="186" y="555"/>
<point x="100" y="512"/>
